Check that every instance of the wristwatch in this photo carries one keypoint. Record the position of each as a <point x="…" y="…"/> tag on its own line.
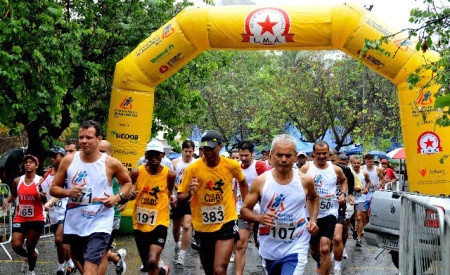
<point x="121" y="195"/>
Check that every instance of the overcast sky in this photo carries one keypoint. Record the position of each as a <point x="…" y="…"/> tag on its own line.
<point x="393" y="12"/>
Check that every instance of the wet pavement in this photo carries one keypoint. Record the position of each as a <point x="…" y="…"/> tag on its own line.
<point x="360" y="261"/>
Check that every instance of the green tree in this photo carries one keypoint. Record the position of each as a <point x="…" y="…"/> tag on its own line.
<point x="432" y="33"/>
<point x="57" y="60"/>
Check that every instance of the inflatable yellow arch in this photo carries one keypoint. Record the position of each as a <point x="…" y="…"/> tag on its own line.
<point x="308" y="27"/>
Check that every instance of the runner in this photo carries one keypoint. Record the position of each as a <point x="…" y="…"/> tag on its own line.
<point x="181" y="215"/>
<point x="28" y="223"/>
<point x="56" y="211"/>
<point x="284" y="193"/>
<point x="153" y="184"/>
<point x="325" y="175"/>
<point x="90" y="212"/>
<point x="71" y="146"/>
<point x="361" y="207"/>
<point x="207" y="183"/>
<point x="118" y="257"/>
<point x="251" y="169"/>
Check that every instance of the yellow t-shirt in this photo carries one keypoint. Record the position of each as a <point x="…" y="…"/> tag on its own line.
<point x="213" y="203"/>
<point x="152" y="201"/>
<point x="358" y="182"/>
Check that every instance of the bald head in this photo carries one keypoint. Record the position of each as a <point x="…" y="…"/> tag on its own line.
<point x="105" y="147"/>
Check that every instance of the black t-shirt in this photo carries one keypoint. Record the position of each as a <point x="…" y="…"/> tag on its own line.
<point x="350" y="178"/>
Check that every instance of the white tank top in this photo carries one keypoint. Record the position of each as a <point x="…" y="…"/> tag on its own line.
<point x="87" y="214"/>
<point x="58" y="209"/>
<point x="374" y="179"/>
<point x="325" y="182"/>
<point x="179" y="170"/>
<point x="250" y="174"/>
<point x="289" y="236"/>
<point x="360" y="197"/>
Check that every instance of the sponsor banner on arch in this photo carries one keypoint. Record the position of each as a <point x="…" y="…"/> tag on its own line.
<point x="129" y="124"/>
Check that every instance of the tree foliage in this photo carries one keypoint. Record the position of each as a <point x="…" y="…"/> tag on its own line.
<point x="432" y="33"/>
<point x="57" y="61"/>
<point x="257" y="94"/>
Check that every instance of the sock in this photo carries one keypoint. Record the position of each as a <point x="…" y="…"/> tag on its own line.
<point x="337" y="264"/>
<point x="70" y="263"/>
<point x="182" y="252"/>
<point x="61" y="266"/>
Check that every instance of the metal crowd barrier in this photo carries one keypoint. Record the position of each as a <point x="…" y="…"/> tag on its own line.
<point x="424" y="238"/>
<point x="5" y="219"/>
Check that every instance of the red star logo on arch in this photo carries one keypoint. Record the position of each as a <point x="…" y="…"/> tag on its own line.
<point x="267" y="26"/>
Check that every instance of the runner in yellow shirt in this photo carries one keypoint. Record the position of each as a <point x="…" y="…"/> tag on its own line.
<point x="207" y="183"/>
<point x="153" y="184"/>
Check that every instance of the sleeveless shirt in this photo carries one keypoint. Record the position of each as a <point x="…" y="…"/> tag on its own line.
<point x="325" y="184"/>
<point x="289" y="236"/>
<point x="58" y="209"/>
<point x="87" y="214"/>
<point x="29" y="205"/>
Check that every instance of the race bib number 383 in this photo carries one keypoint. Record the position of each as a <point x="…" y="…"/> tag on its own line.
<point x="213" y="214"/>
<point x="146" y="216"/>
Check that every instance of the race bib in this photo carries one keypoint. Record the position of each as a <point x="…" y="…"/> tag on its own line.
<point x="146" y="216"/>
<point x="26" y="210"/>
<point x="327" y="203"/>
<point x="84" y="198"/>
<point x="284" y="232"/>
<point x="213" y="214"/>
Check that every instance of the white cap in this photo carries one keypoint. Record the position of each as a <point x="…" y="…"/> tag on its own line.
<point x="155" y="145"/>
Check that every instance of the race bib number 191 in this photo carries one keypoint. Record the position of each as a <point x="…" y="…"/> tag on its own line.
<point x="146" y="216"/>
<point x="213" y="214"/>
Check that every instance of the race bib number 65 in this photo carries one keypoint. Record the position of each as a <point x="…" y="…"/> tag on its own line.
<point x="26" y="210"/>
<point x="213" y="214"/>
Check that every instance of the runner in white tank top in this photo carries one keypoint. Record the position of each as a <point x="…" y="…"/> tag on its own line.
<point x="251" y="168"/>
<point x="181" y="214"/>
<point x="360" y="199"/>
<point x="90" y="212"/>
<point x="376" y="176"/>
<point x="284" y="193"/>
<point x="325" y="175"/>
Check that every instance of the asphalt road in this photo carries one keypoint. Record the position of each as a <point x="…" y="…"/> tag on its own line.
<point x="360" y="261"/>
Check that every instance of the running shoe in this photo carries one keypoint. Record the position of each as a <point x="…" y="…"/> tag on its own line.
<point x="71" y="270"/>
<point x="344" y="254"/>
<point x="337" y="272"/>
<point x="180" y="260"/>
<point x="232" y="258"/>
<point x="30" y="273"/>
<point x="60" y="272"/>
<point x="358" y="243"/>
<point x="121" y="266"/>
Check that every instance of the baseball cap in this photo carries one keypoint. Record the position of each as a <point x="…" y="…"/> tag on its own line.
<point x="301" y="153"/>
<point x="384" y="161"/>
<point x="58" y="150"/>
<point x="155" y="145"/>
<point x="35" y="159"/>
<point x="211" y="138"/>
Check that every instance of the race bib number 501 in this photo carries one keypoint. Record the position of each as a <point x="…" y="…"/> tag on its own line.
<point x="213" y="214"/>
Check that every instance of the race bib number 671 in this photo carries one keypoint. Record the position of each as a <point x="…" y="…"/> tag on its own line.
<point x="213" y="214"/>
